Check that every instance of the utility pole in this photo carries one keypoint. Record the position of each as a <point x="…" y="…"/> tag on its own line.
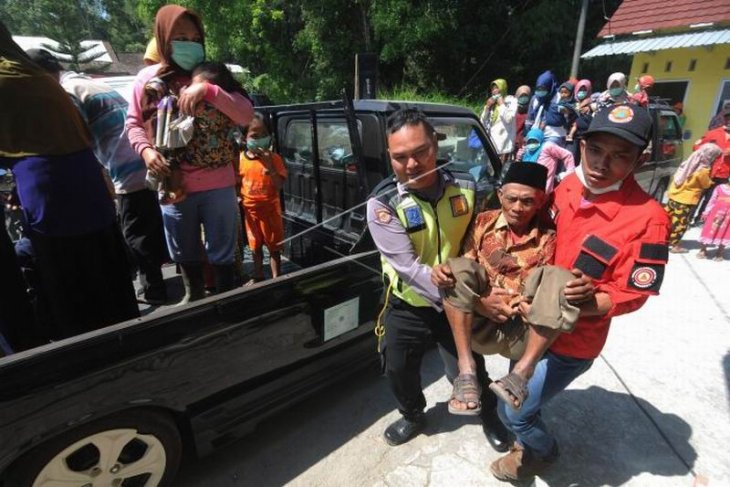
<point x="579" y="40"/>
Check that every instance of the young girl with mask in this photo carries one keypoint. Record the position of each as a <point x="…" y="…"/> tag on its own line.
<point x="546" y="154"/>
<point x="584" y="115"/>
<point x="263" y="173"/>
<point x="209" y="183"/>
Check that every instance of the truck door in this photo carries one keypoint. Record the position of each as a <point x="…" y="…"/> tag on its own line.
<point x="323" y="184"/>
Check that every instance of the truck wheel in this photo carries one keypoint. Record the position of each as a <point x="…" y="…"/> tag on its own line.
<point x="133" y="449"/>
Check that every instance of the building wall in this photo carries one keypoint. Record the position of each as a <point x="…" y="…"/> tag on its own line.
<point x="705" y="82"/>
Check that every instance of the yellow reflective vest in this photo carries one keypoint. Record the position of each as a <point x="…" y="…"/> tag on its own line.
<point x="436" y="229"/>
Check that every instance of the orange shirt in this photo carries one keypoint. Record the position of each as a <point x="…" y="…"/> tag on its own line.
<point x="257" y="186"/>
<point x="620" y="240"/>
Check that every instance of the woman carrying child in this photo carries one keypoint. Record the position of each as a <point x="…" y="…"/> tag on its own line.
<point x="206" y="166"/>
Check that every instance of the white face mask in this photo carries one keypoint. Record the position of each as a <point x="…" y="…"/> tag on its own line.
<point x="596" y="191"/>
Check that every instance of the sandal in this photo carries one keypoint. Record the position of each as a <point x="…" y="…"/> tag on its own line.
<point x="466" y="390"/>
<point x="718" y="258"/>
<point x="509" y="388"/>
<point x="701" y="255"/>
<point x="678" y="250"/>
<point x="253" y="281"/>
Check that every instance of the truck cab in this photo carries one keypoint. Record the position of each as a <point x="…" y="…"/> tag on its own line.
<point x="336" y="153"/>
<point x="665" y="151"/>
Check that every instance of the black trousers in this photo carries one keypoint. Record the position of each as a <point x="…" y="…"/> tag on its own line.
<point x="17" y="323"/>
<point x="409" y="330"/>
<point x="141" y="222"/>
<point x="86" y="280"/>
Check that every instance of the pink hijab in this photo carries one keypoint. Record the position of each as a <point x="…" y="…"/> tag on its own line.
<point x="702" y="157"/>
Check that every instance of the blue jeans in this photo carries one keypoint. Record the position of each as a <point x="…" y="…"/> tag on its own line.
<point x="216" y="210"/>
<point x="553" y="374"/>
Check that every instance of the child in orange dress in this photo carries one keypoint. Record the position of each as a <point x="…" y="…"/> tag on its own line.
<point x="263" y="173"/>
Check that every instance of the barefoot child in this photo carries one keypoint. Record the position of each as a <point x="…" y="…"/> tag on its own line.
<point x="263" y="174"/>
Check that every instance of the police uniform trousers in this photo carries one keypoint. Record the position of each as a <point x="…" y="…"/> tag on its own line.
<point x="409" y="331"/>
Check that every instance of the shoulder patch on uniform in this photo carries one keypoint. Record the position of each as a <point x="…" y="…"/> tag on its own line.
<point x="459" y="205"/>
<point x="646" y="277"/>
<point x="414" y="219"/>
<point x="383" y="216"/>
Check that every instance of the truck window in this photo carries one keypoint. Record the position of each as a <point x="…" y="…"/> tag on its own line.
<point x="461" y="147"/>
<point x="669" y="128"/>
<point x="332" y="137"/>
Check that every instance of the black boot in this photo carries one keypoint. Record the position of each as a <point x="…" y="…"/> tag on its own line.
<point x="224" y="277"/>
<point x="404" y="429"/>
<point x="496" y="432"/>
<point x="192" y="274"/>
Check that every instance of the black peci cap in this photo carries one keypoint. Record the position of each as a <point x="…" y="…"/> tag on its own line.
<point x="630" y="122"/>
<point x="45" y="60"/>
<point x="528" y="173"/>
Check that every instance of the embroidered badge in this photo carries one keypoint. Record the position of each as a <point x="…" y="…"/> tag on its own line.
<point x="414" y="218"/>
<point x="383" y="215"/>
<point x="621" y="114"/>
<point x="459" y="205"/>
<point x="643" y="277"/>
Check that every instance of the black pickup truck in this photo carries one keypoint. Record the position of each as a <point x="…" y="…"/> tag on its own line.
<point x="121" y="406"/>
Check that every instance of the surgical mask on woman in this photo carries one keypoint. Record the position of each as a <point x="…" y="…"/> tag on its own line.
<point x="581" y="95"/>
<point x="523" y="100"/>
<point x="616" y="91"/>
<point x="532" y="146"/>
<point x="261" y="143"/>
<point x="187" y="54"/>
<point x="541" y="93"/>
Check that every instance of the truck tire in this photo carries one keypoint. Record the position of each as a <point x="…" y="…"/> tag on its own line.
<point x="136" y="448"/>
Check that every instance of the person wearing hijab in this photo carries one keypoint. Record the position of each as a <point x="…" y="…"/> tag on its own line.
<point x="209" y="185"/>
<point x="690" y="180"/>
<point x="545" y="89"/>
<point x="498" y="117"/>
<point x="522" y="95"/>
<point x="582" y="96"/>
<point x="151" y="56"/>
<point x="615" y="93"/>
<point x="70" y="216"/>
<point x="719" y="119"/>
<point x="547" y="154"/>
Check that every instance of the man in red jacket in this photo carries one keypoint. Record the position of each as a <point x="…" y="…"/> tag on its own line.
<point x="614" y="237"/>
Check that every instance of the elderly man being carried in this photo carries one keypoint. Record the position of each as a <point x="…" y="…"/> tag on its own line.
<point x="503" y="264"/>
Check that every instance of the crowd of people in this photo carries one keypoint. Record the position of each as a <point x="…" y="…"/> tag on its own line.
<point x="109" y="188"/>
<point x="574" y="243"/>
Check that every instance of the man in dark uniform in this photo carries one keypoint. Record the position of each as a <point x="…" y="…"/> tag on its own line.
<point x="614" y="236"/>
<point x="418" y="220"/>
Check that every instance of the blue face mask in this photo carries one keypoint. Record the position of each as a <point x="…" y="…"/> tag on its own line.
<point x="541" y="93"/>
<point x="532" y="146"/>
<point x="262" y="143"/>
<point x="616" y="91"/>
<point x="581" y="95"/>
<point x="187" y="54"/>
